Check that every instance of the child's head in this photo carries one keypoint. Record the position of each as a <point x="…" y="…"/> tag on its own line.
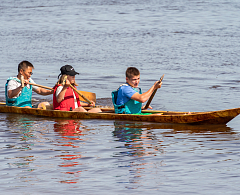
<point x="68" y="71"/>
<point x="131" y="72"/>
<point x="133" y="76"/>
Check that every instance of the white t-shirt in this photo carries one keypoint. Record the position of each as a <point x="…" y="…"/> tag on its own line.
<point x="59" y="89"/>
<point x="13" y="84"/>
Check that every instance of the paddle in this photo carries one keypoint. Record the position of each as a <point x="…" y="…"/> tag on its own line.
<point x="41" y="86"/>
<point x="91" y="96"/>
<point x="154" y="92"/>
<point x="22" y="82"/>
<point x="78" y="92"/>
<point x="84" y="95"/>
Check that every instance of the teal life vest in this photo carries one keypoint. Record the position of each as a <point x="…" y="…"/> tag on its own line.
<point x="130" y="107"/>
<point x="24" y="99"/>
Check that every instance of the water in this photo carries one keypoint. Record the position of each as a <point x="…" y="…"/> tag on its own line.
<point x="194" y="43"/>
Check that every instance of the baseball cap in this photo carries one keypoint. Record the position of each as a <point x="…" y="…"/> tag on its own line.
<point x="68" y="70"/>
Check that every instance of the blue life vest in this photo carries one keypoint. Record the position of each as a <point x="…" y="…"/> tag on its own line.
<point x="24" y="99"/>
<point x="130" y="107"/>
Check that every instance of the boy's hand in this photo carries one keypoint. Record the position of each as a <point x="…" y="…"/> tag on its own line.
<point x="150" y="107"/>
<point x="157" y="85"/>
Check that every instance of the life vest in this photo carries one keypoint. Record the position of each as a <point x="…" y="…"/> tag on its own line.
<point x="130" y="107"/>
<point x="24" y="99"/>
<point x="68" y="102"/>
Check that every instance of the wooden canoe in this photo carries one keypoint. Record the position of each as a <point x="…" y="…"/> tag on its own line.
<point x="213" y="117"/>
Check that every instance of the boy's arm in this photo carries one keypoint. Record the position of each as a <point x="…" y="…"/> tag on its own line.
<point x="145" y="96"/>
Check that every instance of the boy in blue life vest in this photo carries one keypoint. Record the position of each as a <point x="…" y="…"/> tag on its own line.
<point x="16" y="95"/>
<point x="128" y="98"/>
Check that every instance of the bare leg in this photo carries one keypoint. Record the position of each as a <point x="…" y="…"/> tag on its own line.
<point x="79" y="109"/>
<point x="95" y="110"/>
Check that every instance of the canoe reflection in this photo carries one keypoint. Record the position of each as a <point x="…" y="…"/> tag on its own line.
<point x="143" y="139"/>
<point x="176" y="128"/>
<point x="186" y="128"/>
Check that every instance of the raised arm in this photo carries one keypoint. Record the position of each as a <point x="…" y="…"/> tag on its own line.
<point x="145" y="96"/>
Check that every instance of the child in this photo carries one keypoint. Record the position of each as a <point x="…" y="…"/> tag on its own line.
<point x="128" y="98"/>
<point x="64" y="97"/>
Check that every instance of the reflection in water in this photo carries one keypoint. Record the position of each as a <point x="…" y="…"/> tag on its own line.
<point x="21" y="127"/>
<point x="19" y="141"/>
<point x="30" y="141"/>
<point x="142" y="151"/>
<point x="70" y="131"/>
<point x="185" y="128"/>
<point x="139" y="143"/>
<point x="139" y="137"/>
<point x="154" y="147"/>
<point x="138" y="140"/>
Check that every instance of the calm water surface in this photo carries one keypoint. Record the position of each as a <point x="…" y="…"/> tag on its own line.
<point x="194" y="43"/>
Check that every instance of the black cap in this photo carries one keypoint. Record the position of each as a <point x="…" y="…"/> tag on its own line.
<point x="68" y="70"/>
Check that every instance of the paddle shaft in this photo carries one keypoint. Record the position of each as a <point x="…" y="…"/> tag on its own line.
<point x="41" y="86"/>
<point x="80" y="94"/>
<point x="154" y="92"/>
<point x="22" y="83"/>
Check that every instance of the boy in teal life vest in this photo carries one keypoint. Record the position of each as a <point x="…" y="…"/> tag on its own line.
<point x="128" y="98"/>
<point x="19" y="96"/>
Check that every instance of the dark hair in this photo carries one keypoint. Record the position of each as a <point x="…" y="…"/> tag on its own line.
<point x="131" y="72"/>
<point x="24" y="65"/>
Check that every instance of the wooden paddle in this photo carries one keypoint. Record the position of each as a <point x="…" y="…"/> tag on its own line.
<point x="83" y="97"/>
<point x="41" y="86"/>
<point x="89" y="95"/>
<point x="22" y="81"/>
<point x="154" y="92"/>
<point x="78" y="92"/>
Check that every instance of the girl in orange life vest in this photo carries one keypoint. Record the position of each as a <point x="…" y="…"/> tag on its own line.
<point x="64" y="97"/>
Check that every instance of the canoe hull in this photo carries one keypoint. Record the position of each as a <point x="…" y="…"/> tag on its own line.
<point x="214" y="117"/>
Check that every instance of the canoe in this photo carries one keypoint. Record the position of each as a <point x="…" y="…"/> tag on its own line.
<point x="212" y="117"/>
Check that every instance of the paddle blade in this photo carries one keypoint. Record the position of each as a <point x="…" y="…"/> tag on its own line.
<point x="88" y="95"/>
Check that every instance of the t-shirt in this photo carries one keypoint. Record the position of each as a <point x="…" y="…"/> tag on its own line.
<point x="13" y="84"/>
<point x="59" y="89"/>
<point x="124" y="94"/>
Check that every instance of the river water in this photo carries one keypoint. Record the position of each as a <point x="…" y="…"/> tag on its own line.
<point x="194" y="43"/>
